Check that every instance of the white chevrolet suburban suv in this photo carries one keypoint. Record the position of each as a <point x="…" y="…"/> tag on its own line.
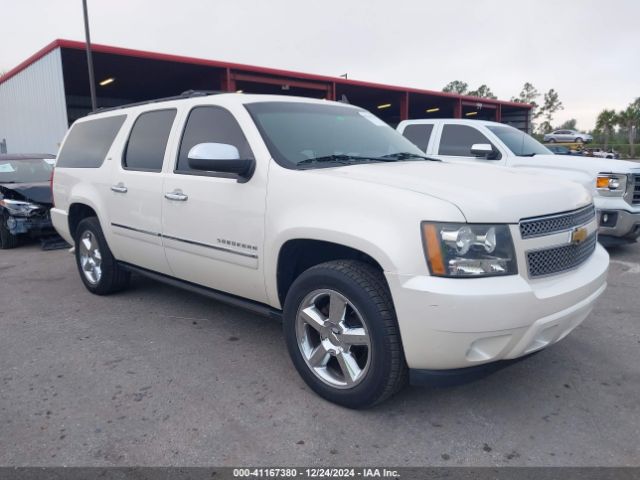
<point x="614" y="184"/>
<point x="384" y="265"/>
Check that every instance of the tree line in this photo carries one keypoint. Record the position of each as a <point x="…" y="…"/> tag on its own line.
<point x="529" y="94"/>
<point x="618" y="125"/>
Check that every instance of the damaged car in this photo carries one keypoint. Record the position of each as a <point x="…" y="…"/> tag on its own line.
<point x="25" y="197"/>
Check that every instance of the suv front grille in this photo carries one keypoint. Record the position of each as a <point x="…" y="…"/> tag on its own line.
<point x="560" y="259"/>
<point x="635" y="189"/>
<point x="548" y="225"/>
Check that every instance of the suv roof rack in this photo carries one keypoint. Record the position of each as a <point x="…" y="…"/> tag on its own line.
<point x="185" y="94"/>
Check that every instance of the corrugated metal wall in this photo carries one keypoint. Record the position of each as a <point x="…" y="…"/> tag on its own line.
<point x="33" y="115"/>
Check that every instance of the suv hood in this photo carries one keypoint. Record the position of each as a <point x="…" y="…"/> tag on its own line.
<point x="484" y="194"/>
<point x="31" y="192"/>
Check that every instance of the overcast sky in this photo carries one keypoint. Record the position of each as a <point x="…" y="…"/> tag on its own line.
<point x="588" y="50"/>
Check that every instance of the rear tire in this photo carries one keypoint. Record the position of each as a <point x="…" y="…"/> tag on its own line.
<point x="99" y="270"/>
<point x="7" y="239"/>
<point x="552" y="140"/>
<point x="579" y="140"/>
<point x="342" y="334"/>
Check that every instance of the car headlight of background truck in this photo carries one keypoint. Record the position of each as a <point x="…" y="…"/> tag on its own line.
<point x="611" y="184"/>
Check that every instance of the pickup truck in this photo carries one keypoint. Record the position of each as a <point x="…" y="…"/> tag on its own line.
<point x="383" y="265"/>
<point x="614" y="184"/>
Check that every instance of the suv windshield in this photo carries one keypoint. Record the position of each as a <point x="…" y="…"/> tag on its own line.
<point x="310" y="135"/>
<point x="25" y="171"/>
<point x="519" y="142"/>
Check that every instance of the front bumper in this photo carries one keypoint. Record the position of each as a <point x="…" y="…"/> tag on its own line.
<point x="619" y="223"/>
<point x="457" y="323"/>
<point x="35" y="225"/>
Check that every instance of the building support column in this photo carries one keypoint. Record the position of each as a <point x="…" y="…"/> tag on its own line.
<point x="227" y="83"/>
<point x="457" y="109"/>
<point x="404" y="106"/>
<point x="331" y="91"/>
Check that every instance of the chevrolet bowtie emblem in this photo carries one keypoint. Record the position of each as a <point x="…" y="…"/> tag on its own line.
<point x="578" y="235"/>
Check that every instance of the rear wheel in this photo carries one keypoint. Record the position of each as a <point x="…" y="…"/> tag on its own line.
<point x="7" y="239"/>
<point x="99" y="270"/>
<point x="579" y="140"/>
<point x="552" y="140"/>
<point x="342" y="334"/>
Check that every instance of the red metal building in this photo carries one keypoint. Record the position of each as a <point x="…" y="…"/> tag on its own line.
<point x="125" y="76"/>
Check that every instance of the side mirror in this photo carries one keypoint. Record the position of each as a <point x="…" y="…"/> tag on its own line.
<point x="221" y="158"/>
<point x="484" y="150"/>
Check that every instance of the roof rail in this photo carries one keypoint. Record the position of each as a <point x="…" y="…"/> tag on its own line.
<point x="185" y="94"/>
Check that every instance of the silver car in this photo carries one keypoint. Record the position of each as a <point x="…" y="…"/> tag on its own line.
<point x="568" y="136"/>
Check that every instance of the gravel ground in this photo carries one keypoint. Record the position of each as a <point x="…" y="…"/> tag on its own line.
<point x="159" y="376"/>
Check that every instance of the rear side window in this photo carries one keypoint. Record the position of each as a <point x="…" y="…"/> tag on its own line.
<point x="148" y="141"/>
<point x="211" y="125"/>
<point x="88" y="142"/>
<point x="457" y="140"/>
<point x="419" y="135"/>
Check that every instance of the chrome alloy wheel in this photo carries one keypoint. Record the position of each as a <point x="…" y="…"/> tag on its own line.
<point x="90" y="257"/>
<point x="333" y="338"/>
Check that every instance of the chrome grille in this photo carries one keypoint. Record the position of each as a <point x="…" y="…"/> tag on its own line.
<point x="559" y="259"/>
<point x="548" y="225"/>
<point x="635" y="189"/>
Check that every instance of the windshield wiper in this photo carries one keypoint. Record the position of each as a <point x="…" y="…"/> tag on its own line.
<point x="527" y="154"/>
<point x="342" y="159"/>
<point x="408" y="155"/>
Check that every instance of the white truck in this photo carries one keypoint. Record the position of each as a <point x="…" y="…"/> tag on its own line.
<point x="382" y="264"/>
<point x="614" y="184"/>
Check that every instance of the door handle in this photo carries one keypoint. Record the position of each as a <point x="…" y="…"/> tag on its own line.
<point x="119" y="188"/>
<point x="176" y="195"/>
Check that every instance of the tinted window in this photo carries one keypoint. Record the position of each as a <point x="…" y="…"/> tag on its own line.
<point x="148" y="141"/>
<point x="211" y="125"/>
<point x="518" y="142"/>
<point x="88" y="142"/>
<point x="419" y="135"/>
<point x="457" y="140"/>
<point x="298" y="134"/>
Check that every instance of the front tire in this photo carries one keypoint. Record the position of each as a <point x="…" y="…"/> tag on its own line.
<point x="552" y="140"/>
<point x="579" y="140"/>
<point x="342" y="334"/>
<point x="7" y="239"/>
<point x="99" y="270"/>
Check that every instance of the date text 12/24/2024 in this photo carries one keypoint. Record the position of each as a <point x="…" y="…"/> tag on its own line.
<point x="315" y="473"/>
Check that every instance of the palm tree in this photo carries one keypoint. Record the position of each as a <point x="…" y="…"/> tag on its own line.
<point x="606" y="123"/>
<point x="629" y="119"/>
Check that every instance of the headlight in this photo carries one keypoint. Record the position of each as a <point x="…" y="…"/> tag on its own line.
<point x="611" y="184"/>
<point x="19" y="208"/>
<point x="468" y="250"/>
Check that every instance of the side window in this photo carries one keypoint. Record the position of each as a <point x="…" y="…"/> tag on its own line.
<point x="419" y="134"/>
<point x="148" y="141"/>
<point x="210" y="125"/>
<point x="88" y="142"/>
<point x="457" y="140"/>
